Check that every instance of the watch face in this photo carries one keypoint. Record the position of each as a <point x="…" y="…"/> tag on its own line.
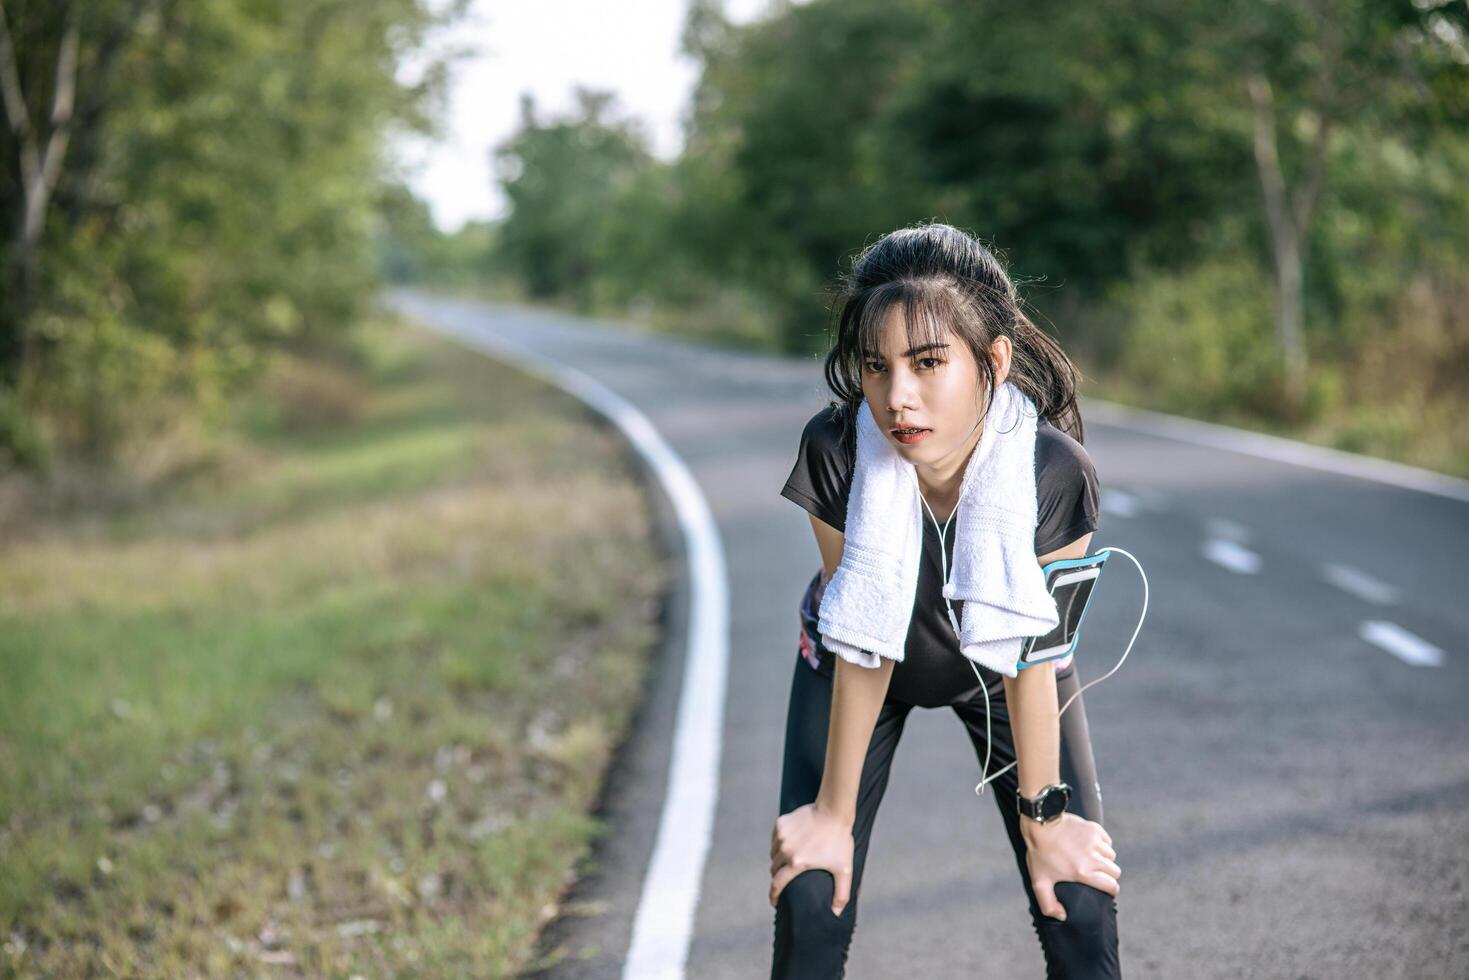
<point x="1054" y="804"/>
<point x="1049" y="806"/>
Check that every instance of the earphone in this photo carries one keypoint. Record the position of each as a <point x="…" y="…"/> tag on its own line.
<point x="954" y="623"/>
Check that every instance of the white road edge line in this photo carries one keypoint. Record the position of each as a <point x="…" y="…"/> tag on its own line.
<point x="1407" y="647"/>
<point x="663" y="926"/>
<point x="1278" y="448"/>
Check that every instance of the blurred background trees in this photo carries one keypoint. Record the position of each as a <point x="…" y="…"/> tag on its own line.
<point x="1250" y="211"/>
<point x="208" y="186"/>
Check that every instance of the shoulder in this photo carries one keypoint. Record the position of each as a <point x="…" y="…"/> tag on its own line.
<point x="821" y="479"/>
<point x="827" y="433"/>
<point x="1067" y="490"/>
<point x="1059" y="458"/>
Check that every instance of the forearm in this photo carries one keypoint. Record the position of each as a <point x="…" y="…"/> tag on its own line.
<point x="857" y="697"/>
<point x="1035" y="726"/>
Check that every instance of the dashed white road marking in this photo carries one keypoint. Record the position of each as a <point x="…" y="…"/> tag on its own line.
<point x="1358" y="583"/>
<point x="1226" y="530"/>
<point x="1408" y="648"/>
<point x="1234" y="557"/>
<point x="1120" y="502"/>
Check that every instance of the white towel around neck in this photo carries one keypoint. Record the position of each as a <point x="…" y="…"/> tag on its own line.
<point x="867" y="606"/>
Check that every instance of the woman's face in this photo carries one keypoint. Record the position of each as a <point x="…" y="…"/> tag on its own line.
<point x="938" y="390"/>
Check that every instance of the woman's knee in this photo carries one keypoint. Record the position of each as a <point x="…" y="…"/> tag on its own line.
<point x="1085" y="944"/>
<point x="1088" y="909"/>
<point x="805" y="902"/>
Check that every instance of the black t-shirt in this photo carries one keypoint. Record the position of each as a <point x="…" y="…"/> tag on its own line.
<point x="933" y="672"/>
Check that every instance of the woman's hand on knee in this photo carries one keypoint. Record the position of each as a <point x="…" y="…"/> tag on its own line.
<point x="1071" y="848"/>
<point x="806" y="838"/>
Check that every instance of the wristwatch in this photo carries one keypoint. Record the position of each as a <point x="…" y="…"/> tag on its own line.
<point x="1045" y="806"/>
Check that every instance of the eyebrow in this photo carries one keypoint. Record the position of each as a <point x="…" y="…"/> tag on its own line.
<point x="913" y="352"/>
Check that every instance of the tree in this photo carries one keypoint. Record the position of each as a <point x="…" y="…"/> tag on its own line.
<point x="564" y="179"/>
<point x="190" y="186"/>
<point x="1317" y="66"/>
<point x="40" y="152"/>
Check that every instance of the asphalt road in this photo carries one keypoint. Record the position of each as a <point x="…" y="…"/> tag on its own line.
<point x="1284" y="757"/>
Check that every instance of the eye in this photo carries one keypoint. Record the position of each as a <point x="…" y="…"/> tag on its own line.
<point x="928" y="364"/>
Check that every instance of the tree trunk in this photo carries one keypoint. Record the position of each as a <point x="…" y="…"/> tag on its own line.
<point x="1286" y="239"/>
<point x="40" y="169"/>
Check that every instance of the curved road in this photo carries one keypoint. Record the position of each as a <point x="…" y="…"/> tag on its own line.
<point x="1284" y="756"/>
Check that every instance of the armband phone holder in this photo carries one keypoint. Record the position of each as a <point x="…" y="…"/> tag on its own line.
<point x="1072" y="583"/>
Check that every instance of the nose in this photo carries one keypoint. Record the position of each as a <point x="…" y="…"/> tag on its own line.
<point x="901" y="391"/>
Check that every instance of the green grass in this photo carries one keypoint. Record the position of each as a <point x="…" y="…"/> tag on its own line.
<point x="339" y="704"/>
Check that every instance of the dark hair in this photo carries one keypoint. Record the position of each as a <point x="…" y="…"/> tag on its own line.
<point x="944" y="277"/>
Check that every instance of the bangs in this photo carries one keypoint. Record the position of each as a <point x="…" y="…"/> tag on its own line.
<point x="931" y="313"/>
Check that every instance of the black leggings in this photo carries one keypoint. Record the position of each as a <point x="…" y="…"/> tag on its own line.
<point x="812" y="944"/>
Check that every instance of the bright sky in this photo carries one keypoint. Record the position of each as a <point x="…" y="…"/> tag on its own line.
<point x="546" y="47"/>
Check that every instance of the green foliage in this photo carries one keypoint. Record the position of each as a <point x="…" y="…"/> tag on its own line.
<point x="1199" y="341"/>
<point x="219" y="200"/>
<point x="566" y="181"/>
<point x="21" y="442"/>
<point x="1088" y="142"/>
<point x="1109" y="151"/>
<point x="411" y="249"/>
<point x="228" y="196"/>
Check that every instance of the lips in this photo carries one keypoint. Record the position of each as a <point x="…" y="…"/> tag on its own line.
<point x="910" y="438"/>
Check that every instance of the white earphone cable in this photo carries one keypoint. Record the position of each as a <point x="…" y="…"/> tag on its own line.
<point x="954" y="623"/>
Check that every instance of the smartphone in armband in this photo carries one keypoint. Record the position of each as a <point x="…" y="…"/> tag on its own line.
<point x="1071" y="582"/>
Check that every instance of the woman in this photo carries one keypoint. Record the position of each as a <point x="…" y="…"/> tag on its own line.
<point x="929" y="324"/>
